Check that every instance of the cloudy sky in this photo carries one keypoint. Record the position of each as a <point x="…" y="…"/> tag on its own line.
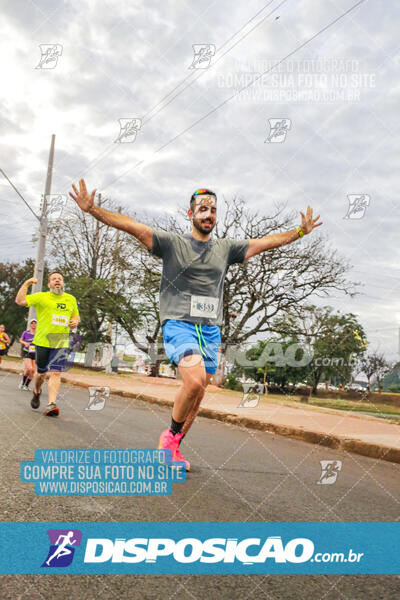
<point x="337" y="96"/>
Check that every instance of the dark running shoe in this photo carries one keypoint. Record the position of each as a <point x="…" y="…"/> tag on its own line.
<point x="35" y="402"/>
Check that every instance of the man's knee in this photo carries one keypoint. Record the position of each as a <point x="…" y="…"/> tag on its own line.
<point x="195" y="385"/>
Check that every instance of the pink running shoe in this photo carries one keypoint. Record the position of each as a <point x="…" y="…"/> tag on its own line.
<point x="170" y="441"/>
<point x="178" y="454"/>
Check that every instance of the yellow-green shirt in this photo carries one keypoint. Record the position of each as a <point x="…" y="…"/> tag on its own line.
<point x="53" y="314"/>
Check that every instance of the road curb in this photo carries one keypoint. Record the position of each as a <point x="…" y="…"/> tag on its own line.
<point x="377" y="451"/>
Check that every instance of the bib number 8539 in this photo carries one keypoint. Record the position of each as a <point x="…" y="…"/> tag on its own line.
<point x="204" y="306"/>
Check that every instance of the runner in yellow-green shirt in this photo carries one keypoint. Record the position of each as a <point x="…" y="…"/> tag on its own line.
<point x="57" y="313"/>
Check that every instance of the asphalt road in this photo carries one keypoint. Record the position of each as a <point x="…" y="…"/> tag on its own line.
<point x="237" y="475"/>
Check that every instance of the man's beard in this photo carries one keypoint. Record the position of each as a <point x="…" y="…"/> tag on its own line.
<point x="198" y="225"/>
<point x="57" y="291"/>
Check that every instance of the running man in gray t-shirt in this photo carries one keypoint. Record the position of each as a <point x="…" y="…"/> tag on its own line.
<point x="194" y="269"/>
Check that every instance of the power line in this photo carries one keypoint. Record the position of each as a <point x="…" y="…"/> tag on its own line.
<point x="20" y="195"/>
<point x="213" y="110"/>
<point x="219" y="56"/>
<point x="192" y="72"/>
<point x="110" y="147"/>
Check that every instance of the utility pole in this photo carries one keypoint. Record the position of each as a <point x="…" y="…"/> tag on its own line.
<point x="113" y="286"/>
<point x="41" y="248"/>
<point x="91" y="350"/>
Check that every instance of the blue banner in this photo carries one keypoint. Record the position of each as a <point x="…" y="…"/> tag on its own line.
<point x="200" y="548"/>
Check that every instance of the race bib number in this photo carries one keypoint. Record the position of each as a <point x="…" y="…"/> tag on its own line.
<point x="204" y="306"/>
<point x="31" y="348"/>
<point x="62" y="320"/>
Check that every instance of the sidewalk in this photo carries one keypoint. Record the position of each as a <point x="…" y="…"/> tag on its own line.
<point x="362" y="434"/>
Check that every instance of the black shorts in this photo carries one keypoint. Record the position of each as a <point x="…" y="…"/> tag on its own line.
<point x="30" y="355"/>
<point x="51" y="359"/>
<point x="3" y="352"/>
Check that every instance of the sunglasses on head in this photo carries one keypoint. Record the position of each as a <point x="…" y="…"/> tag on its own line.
<point x="202" y="192"/>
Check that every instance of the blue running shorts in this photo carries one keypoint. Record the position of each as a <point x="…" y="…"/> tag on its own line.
<point x="182" y="339"/>
<point x="52" y="359"/>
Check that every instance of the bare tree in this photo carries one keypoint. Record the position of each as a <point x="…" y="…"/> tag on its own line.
<point x="95" y="259"/>
<point x="278" y="280"/>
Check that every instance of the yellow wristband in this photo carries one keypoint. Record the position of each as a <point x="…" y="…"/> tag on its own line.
<point x="300" y="231"/>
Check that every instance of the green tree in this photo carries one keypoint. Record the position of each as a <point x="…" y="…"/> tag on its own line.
<point x="334" y="340"/>
<point x="12" y="276"/>
<point x="274" y="361"/>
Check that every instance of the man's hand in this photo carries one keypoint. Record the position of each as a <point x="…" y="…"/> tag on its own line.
<point x="20" y="298"/>
<point x="84" y="200"/>
<point x="275" y="240"/>
<point x="31" y="281"/>
<point x="73" y="322"/>
<point x="307" y="222"/>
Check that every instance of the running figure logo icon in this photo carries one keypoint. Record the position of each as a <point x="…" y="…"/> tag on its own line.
<point x="330" y="471"/>
<point x="251" y="395"/>
<point x="203" y="54"/>
<point x="278" y="129"/>
<point x="50" y="54"/>
<point x="55" y="206"/>
<point x="97" y="397"/>
<point x="357" y="206"/>
<point x="62" y="547"/>
<point x="128" y="130"/>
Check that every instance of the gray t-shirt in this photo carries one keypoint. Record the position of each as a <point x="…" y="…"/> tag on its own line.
<point x="193" y="275"/>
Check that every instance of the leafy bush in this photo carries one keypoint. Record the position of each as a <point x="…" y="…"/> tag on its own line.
<point x="232" y="383"/>
<point x="394" y="388"/>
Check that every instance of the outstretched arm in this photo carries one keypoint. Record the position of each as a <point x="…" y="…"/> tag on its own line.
<point x="308" y="223"/>
<point x="20" y="298"/>
<point x="85" y="201"/>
